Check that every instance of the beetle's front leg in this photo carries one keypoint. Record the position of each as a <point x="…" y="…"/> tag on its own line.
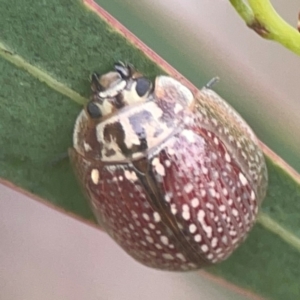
<point x="96" y="87"/>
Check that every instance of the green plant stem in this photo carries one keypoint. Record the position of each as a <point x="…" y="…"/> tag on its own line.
<point x="261" y="16"/>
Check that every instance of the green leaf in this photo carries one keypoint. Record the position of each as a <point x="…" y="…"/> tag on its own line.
<point x="48" y="49"/>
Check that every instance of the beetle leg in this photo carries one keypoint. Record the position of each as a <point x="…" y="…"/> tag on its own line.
<point x="95" y="82"/>
<point x="125" y="70"/>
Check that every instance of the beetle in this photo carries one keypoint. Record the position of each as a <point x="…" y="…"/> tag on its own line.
<point x="176" y="179"/>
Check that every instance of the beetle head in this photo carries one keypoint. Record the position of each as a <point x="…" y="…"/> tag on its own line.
<point x="117" y="89"/>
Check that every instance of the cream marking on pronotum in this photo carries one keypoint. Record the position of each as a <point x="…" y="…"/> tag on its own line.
<point x="182" y="176"/>
<point x="113" y="90"/>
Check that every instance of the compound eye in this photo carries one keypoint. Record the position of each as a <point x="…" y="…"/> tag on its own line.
<point x="93" y="110"/>
<point x="143" y="85"/>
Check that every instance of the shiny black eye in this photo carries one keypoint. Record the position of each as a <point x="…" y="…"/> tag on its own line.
<point x="93" y="110"/>
<point x="143" y="85"/>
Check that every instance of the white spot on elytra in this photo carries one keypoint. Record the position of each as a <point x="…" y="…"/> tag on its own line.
<point x="131" y="176"/>
<point x="164" y="240"/>
<point x="232" y="232"/>
<point x="168" y="197"/>
<point x="149" y="239"/>
<point x="151" y="226"/>
<point x="186" y="215"/>
<point x="225" y="192"/>
<point x="207" y="229"/>
<point x="224" y="239"/>
<point x="146" y="217"/>
<point x="180" y="256"/>
<point x="214" y="242"/>
<point x="222" y="208"/>
<point x="235" y="212"/>
<point x="212" y="192"/>
<point x="134" y="214"/>
<point x="192" y="228"/>
<point x="159" y="168"/>
<point x="167" y="256"/>
<point x="95" y="176"/>
<point x="188" y="187"/>
<point x="201" y="215"/>
<point x="173" y="209"/>
<point x="146" y="231"/>
<point x="211" y="183"/>
<point x="209" y="206"/>
<point x="210" y="256"/>
<point x="126" y="230"/>
<point x="204" y="248"/>
<point x="216" y="141"/>
<point x="227" y="157"/>
<point x="167" y="163"/>
<point x="204" y="170"/>
<point x="195" y="202"/>
<point x="243" y="179"/>
<point x="185" y="207"/>
<point x="220" y="229"/>
<point x="158" y="246"/>
<point x="156" y="217"/>
<point x="197" y="238"/>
